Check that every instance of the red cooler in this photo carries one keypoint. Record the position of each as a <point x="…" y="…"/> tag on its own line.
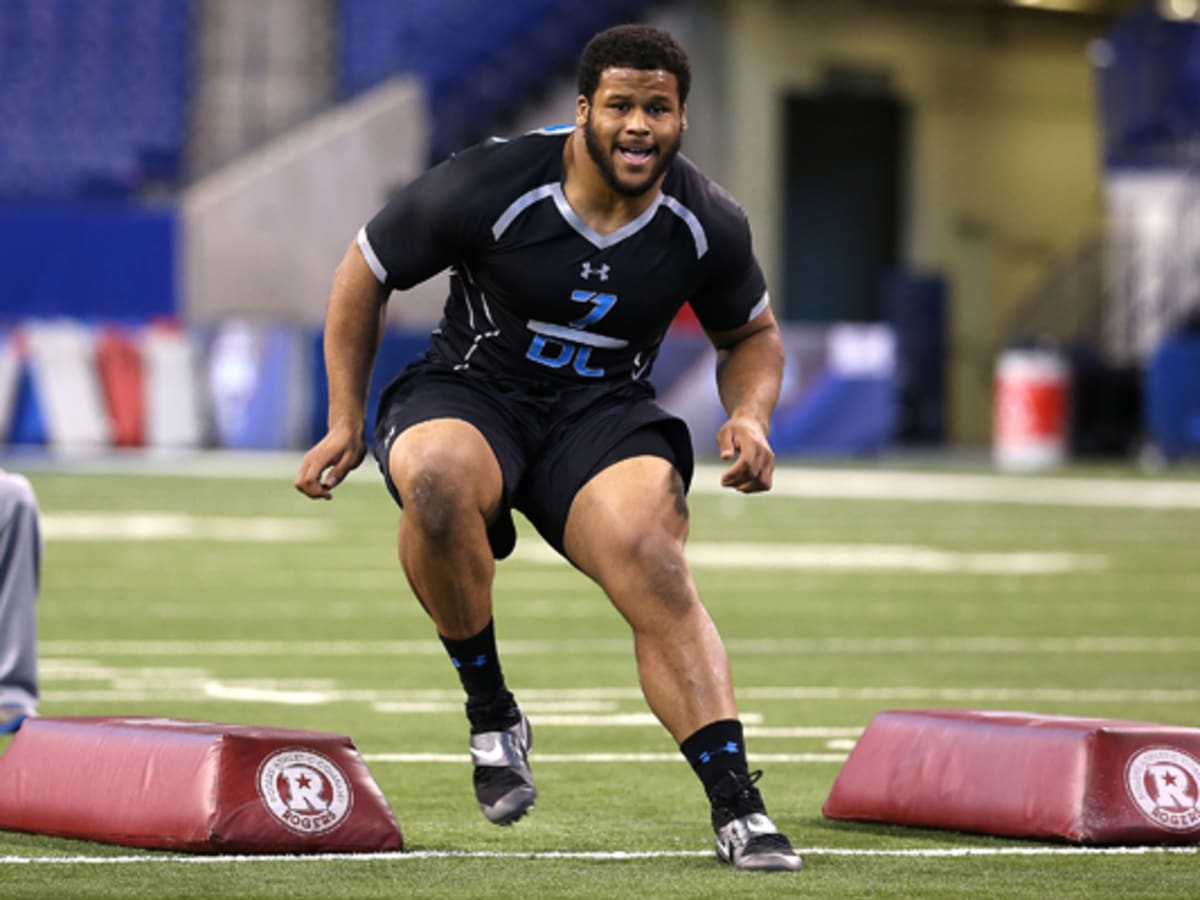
<point x="1031" y="410"/>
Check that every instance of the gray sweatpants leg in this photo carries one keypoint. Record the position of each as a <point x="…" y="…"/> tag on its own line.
<point x="20" y="570"/>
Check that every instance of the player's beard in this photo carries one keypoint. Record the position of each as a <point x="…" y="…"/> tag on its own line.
<point x="603" y="158"/>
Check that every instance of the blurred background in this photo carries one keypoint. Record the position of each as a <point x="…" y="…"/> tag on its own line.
<point x="978" y="218"/>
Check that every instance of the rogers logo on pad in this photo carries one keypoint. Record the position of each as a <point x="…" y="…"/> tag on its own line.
<point x="1165" y="785"/>
<point x="304" y="790"/>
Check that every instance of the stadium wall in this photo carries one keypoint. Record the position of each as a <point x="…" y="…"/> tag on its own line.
<point x="262" y="236"/>
<point x="246" y="385"/>
<point x="1004" y="164"/>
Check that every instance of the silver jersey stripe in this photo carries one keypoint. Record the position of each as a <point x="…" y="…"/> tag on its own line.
<point x="601" y="241"/>
<point x="759" y="307"/>
<point x="519" y="205"/>
<point x="368" y="252"/>
<point x="689" y="219"/>
<point x="575" y="335"/>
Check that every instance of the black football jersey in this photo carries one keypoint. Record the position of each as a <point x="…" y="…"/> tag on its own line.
<point x="534" y="291"/>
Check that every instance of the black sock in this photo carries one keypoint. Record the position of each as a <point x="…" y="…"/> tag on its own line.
<point x="490" y="706"/>
<point x="716" y="750"/>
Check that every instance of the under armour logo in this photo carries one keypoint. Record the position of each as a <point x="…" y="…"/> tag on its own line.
<point x="730" y="747"/>
<point x="587" y="271"/>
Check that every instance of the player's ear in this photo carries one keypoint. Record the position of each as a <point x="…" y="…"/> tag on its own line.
<point x="683" y="117"/>
<point x="581" y="110"/>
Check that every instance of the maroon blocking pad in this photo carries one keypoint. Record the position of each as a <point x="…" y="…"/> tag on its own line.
<point x="1090" y="781"/>
<point x="195" y="786"/>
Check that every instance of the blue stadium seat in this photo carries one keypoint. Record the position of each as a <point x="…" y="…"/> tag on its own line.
<point x="1149" y="90"/>
<point x="479" y="59"/>
<point x="92" y="92"/>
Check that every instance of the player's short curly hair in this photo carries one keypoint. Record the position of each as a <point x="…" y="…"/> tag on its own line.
<point x="633" y="47"/>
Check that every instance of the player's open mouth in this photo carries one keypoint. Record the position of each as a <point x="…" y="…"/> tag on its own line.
<point x="636" y="156"/>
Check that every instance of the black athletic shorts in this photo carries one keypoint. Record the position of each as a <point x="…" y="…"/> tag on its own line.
<point x="549" y="440"/>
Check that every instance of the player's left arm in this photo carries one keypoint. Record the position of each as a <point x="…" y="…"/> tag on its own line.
<point x="749" y="373"/>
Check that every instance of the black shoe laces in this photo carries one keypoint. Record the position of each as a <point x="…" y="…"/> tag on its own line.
<point x="735" y="796"/>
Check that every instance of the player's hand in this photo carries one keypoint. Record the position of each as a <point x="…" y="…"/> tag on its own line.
<point x="745" y="441"/>
<point x="329" y="462"/>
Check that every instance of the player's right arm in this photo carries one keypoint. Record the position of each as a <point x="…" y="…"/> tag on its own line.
<point x="420" y="231"/>
<point x="353" y="329"/>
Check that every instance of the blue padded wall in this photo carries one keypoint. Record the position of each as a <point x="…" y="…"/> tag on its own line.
<point x="91" y="263"/>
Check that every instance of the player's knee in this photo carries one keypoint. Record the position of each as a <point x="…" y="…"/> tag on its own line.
<point x="657" y="555"/>
<point x="437" y="496"/>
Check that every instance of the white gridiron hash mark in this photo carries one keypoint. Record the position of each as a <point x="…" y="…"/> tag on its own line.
<point x="589" y="758"/>
<point x="636" y="720"/>
<point x="816" y="732"/>
<point x="958" y="488"/>
<point x="597" y="855"/>
<point x="156" y="526"/>
<point x="162" y="684"/>
<point x="1170" y="698"/>
<point x="789" y="481"/>
<point x="153" y="526"/>
<point x="969" y="645"/>
<point x="859" y="558"/>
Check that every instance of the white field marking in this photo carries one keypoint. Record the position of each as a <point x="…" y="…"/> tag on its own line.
<point x="791" y="480"/>
<point x="840" y="745"/>
<point x="145" y="526"/>
<point x="156" y="526"/>
<point x="859" y="558"/>
<point x="389" y="582"/>
<point x="197" y="685"/>
<point x="53" y="669"/>
<point x="623" y="720"/>
<point x="830" y="646"/>
<point x="850" y="484"/>
<point x="250" y="693"/>
<point x="597" y="855"/>
<point x="139" y="691"/>
<point x="821" y="731"/>
<point x="534" y="708"/>
<point x="988" y="695"/>
<point x="540" y="758"/>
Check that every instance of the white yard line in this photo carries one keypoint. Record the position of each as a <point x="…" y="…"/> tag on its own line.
<point x="975" y="695"/>
<point x="791" y="480"/>
<point x="819" y="731"/>
<point x="620" y="720"/>
<point x="599" y="855"/>
<point x="140" y="526"/>
<point x="810" y="694"/>
<point x="828" y="646"/>
<point x="152" y="526"/>
<point x="858" y="558"/>
<point x="579" y="758"/>
<point x="945" y="487"/>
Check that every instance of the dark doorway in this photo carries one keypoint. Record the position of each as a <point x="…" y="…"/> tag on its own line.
<point x="843" y="195"/>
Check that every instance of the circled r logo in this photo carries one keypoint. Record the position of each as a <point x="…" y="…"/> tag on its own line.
<point x="1164" y="783"/>
<point x="304" y="790"/>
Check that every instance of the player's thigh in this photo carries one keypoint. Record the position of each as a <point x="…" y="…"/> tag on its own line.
<point x="446" y="461"/>
<point x="629" y="522"/>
